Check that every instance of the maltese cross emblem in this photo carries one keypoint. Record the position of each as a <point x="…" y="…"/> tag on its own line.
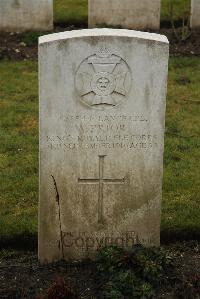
<point x="103" y="80"/>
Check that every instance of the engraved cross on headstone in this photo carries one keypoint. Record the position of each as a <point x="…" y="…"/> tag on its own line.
<point x="101" y="181"/>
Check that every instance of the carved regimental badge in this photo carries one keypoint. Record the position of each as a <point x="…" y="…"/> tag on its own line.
<point x="103" y="80"/>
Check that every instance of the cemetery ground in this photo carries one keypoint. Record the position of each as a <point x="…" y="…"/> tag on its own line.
<point x="19" y="149"/>
<point x="20" y="274"/>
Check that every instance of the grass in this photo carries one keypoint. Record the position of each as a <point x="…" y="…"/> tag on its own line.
<point x="76" y="11"/>
<point x="181" y="176"/>
<point x="71" y="12"/>
<point x="181" y="8"/>
<point x="19" y="148"/>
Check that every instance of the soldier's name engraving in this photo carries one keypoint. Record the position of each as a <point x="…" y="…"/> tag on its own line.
<point x="87" y="240"/>
<point x="92" y="128"/>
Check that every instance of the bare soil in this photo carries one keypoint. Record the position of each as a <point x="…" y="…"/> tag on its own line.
<point x="21" y="276"/>
<point x="13" y="47"/>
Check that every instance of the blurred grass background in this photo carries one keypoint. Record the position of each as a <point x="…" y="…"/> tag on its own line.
<point x="19" y="135"/>
<point x="19" y="148"/>
<point x="76" y="11"/>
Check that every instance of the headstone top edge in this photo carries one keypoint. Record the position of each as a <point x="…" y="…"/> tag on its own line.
<point x="102" y="32"/>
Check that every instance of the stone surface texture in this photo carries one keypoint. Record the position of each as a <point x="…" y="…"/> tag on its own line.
<point x="195" y="14"/>
<point x="102" y="116"/>
<point x="130" y="14"/>
<point x="25" y="15"/>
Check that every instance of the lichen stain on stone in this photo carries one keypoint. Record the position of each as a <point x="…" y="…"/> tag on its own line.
<point x="16" y="4"/>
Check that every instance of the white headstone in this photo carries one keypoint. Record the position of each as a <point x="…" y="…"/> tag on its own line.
<point x="24" y="15"/>
<point x="102" y="115"/>
<point x="130" y="14"/>
<point x="195" y="14"/>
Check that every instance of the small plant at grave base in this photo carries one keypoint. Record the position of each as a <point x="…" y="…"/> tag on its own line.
<point x="59" y="290"/>
<point x="185" y="32"/>
<point x="31" y="38"/>
<point x="134" y="274"/>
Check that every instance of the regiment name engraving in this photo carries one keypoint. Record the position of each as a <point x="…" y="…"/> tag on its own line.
<point x="94" y="131"/>
<point x="66" y="142"/>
